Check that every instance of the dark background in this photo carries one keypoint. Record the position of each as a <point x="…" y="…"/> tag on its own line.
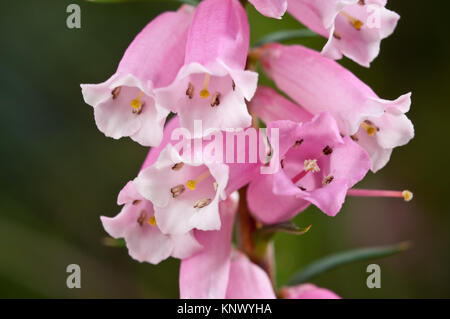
<point x="59" y="173"/>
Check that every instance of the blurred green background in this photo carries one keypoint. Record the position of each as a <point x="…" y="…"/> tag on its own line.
<point x="59" y="173"/>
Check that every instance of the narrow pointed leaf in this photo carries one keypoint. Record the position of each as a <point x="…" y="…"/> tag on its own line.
<point x="286" y="227"/>
<point x="266" y="232"/>
<point x="334" y="261"/>
<point x="111" y="242"/>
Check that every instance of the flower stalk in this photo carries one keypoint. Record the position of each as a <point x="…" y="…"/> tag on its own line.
<point x="260" y="250"/>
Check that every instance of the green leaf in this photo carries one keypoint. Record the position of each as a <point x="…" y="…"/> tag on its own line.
<point x="266" y="232"/>
<point x="263" y="236"/>
<point x="192" y="2"/>
<point x="334" y="261"/>
<point x="285" y="35"/>
<point x="111" y="242"/>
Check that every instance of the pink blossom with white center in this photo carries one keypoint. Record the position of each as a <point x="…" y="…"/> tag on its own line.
<point x="318" y="166"/>
<point x="319" y="84"/>
<point x="354" y="28"/>
<point x="125" y="104"/>
<point x="271" y="8"/>
<point x="185" y="194"/>
<point x="219" y="272"/>
<point x="136" y="223"/>
<point x="213" y="84"/>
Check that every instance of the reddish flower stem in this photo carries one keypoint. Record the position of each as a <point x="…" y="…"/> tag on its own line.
<point x="246" y="228"/>
<point x="246" y="225"/>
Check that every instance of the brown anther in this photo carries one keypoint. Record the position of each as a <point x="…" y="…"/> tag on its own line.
<point x="215" y="100"/>
<point x="115" y="93"/>
<point x="370" y="127"/>
<point x="177" y="166"/>
<point x="337" y="35"/>
<point x="142" y="218"/>
<point x="190" y="90"/>
<point x="361" y="2"/>
<point x="354" y="137"/>
<point x="233" y="85"/>
<point x="139" y="110"/>
<point x="298" y="143"/>
<point x="302" y="188"/>
<point x="177" y="190"/>
<point x="327" y="180"/>
<point x="372" y="124"/>
<point x="282" y="163"/>
<point x="327" y="150"/>
<point x="136" y="202"/>
<point x="202" y="203"/>
<point x="216" y="186"/>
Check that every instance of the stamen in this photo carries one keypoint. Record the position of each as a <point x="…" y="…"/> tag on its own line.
<point x="370" y="128"/>
<point x="233" y="85"/>
<point x="177" y="190"/>
<point x="115" y="93"/>
<point x="336" y="35"/>
<point x="327" y="150"/>
<point x="152" y="221"/>
<point x="191" y="184"/>
<point x="298" y="143"/>
<point x="327" y="180"/>
<point x="361" y="2"/>
<point x="354" y="138"/>
<point x="202" y="203"/>
<point x="215" y="100"/>
<point x="142" y="217"/>
<point x="309" y="166"/>
<point x="190" y="90"/>
<point x="302" y="188"/>
<point x="406" y="194"/>
<point x="136" y="202"/>
<point x="357" y="24"/>
<point x="204" y="93"/>
<point x="216" y="186"/>
<point x="136" y="104"/>
<point x="178" y="166"/>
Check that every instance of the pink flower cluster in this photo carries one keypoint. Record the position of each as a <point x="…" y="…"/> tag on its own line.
<point x="332" y="129"/>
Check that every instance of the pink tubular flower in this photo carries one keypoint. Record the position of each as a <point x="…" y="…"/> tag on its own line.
<point x="247" y="280"/>
<point x="354" y="28"/>
<point x="154" y="152"/>
<point x="318" y="166"/>
<point x="125" y="105"/>
<point x="145" y="241"/>
<point x="212" y="85"/>
<point x="270" y="106"/>
<point x="218" y="272"/>
<point x="205" y="274"/>
<point x="185" y="194"/>
<point x="271" y="8"/>
<point x="307" y="291"/>
<point x="322" y="85"/>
